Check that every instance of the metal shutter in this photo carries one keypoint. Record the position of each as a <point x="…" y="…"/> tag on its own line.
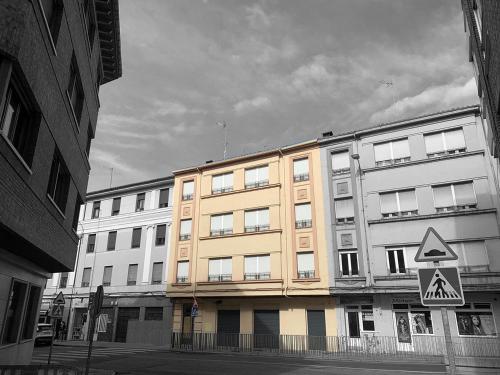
<point x="266" y="328"/>
<point x="228" y="328"/>
<point x="316" y="329"/>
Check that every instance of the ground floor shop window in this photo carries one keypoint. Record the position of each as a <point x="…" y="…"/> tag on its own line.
<point x="411" y="320"/>
<point x="475" y="319"/>
<point x="359" y="318"/>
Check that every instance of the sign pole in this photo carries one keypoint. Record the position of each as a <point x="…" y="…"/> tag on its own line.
<point x="52" y="341"/>
<point x="91" y="340"/>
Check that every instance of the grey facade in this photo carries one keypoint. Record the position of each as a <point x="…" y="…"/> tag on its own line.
<point x="51" y="66"/>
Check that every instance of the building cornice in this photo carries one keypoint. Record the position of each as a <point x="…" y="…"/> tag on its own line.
<point x="129" y="188"/>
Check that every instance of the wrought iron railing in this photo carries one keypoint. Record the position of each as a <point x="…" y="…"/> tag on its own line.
<point x="258" y="276"/>
<point x="299" y="224"/>
<point x="256" y="228"/>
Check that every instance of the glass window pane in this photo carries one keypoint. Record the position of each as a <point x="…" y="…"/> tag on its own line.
<point x="226" y="266"/>
<point x="14" y="312"/>
<point x="228" y="180"/>
<point x="250" y="218"/>
<point x="345" y="263"/>
<point x="305" y="262"/>
<point x="434" y="143"/>
<point x="354" y="263"/>
<point x="454" y="139"/>
<point x="401" y="261"/>
<point x="250" y="176"/>
<point x="464" y="194"/>
<point x="344" y="208"/>
<point x="227" y="221"/>
<point x="475" y="253"/>
<point x="263" y="173"/>
<point x="213" y="266"/>
<point x="392" y="261"/>
<point x="382" y="151"/>
<point x="442" y="196"/>
<point x="264" y="217"/>
<point x="401" y="149"/>
<point x="265" y="264"/>
<point x="300" y="166"/>
<point x="217" y="182"/>
<point x="340" y="160"/>
<point x="182" y="269"/>
<point x="407" y="200"/>
<point x="188" y="188"/>
<point x="31" y="312"/>
<point x="216" y="223"/>
<point x="302" y="212"/>
<point x="251" y="264"/>
<point x="388" y="203"/>
<point x="186" y="226"/>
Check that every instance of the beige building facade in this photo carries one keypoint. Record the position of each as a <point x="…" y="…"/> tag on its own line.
<point x="248" y="246"/>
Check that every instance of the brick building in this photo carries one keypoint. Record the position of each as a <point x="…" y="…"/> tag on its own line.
<point x="54" y="55"/>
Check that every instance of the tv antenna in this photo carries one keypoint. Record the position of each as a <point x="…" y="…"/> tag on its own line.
<point x="224" y="126"/>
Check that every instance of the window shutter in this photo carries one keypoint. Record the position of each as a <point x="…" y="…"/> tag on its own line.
<point x="340" y="160"/>
<point x="382" y="151"/>
<point x="407" y="200"/>
<point x="157" y="272"/>
<point x="111" y="240"/>
<point x="442" y="196"/>
<point x="344" y="208"/>
<point x="464" y="194"/>
<point x="132" y="274"/>
<point x="136" y="237"/>
<point x="305" y="262"/>
<point x="434" y="143"/>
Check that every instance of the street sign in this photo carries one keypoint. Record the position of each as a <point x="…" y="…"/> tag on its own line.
<point x="59" y="300"/>
<point x="434" y="249"/>
<point x="56" y="311"/>
<point x="95" y="301"/>
<point x="440" y="286"/>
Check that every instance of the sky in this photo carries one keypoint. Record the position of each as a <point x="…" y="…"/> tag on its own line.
<point x="277" y="72"/>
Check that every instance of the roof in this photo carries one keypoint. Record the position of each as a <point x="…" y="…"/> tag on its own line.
<point x="123" y="189"/>
<point x="108" y="26"/>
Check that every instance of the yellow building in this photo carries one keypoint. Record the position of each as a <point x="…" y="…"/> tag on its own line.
<point x="248" y="246"/>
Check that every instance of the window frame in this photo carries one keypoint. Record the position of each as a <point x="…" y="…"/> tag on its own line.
<point x="104" y="274"/>
<point x="258" y="227"/>
<point x="344" y="219"/>
<point x="220" y="277"/>
<point x="136" y="245"/>
<point x="470" y="308"/>
<point x="164" y="204"/>
<point x="455" y="207"/>
<point x="115" y="212"/>
<point x="185" y="236"/>
<point x="20" y="315"/>
<point x="394" y="251"/>
<point x="338" y="171"/>
<point x="258" y="181"/>
<point x="303" y="223"/>
<point x="160" y="243"/>
<point x="257" y="275"/>
<point x="445" y="149"/>
<point x="225" y="188"/>
<point x="303" y="273"/>
<point x="182" y="279"/>
<point x="299" y="177"/>
<point x="153" y="280"/>
<point x="140" y="202"/>
<point x="223" y="231"/>
<point x="348" y="252"/>
<point x="132" y="282"/>
<point x="83" y="283"/>
<point x="93" y="249"/>
<point x="96" y="205"/>
<point x="392" y="160"/>
<point x="110" y="235"/>
<point x="187" y="196"/>
<point x="399" y="212"/>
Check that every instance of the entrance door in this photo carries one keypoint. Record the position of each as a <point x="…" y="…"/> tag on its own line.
<point x="107" y="316"/>
<point x="266" y="328"/>
<point x="124" y="315"/>
<point x="403" y="331"/>
<point x="228" y="328"/>
<point x="353" y="328"/>
<point x="316" y="329"/>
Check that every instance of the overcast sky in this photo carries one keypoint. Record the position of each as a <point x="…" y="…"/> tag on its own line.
<point x="277" y="72"/>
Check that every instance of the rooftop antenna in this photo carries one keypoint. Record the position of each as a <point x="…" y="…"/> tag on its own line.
<point x="111" y="178"/>
<point x="224" y="126"/>
<point x="390" y="85"/>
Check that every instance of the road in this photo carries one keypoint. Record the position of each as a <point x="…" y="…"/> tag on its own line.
<point x="151" y="361"/>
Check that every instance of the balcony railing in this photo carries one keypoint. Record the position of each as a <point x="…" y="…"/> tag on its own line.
<point x="301" y="177"/>
<point x="255" y="184"/>
<point x="388" y="215"/>
<point x="299" y="224"/>
<point x="341" y="171"/>
<point x="462" y="207"/>
<point x="221" y="232"/>
<point x="219" y="278"/>
<point x="184" y="237"/>
<point x="446" y="152"/>
<point x="256" y="228"/>
<point x="258" y="276"/>
<point x="222" y="190"/>
<point x="182" y="279"/>
<point x="305" y="274"/>
<point x="382" y="163"/>
<point x="187" y="197"/>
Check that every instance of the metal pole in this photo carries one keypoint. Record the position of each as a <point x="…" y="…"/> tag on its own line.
<point x="52" y="341"/>
<point x="91" y="340"/>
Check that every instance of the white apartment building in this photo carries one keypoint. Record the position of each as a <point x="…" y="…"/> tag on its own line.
<point x="124" y="235"/>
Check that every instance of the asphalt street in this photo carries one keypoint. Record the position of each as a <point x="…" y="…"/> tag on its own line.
<point x="150" y="361"/>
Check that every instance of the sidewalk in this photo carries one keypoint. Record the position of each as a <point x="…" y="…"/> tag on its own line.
<point x="107" y="344"/>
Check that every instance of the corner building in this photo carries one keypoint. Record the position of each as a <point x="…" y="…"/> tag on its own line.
<point x="248" y="246"/>
<point x="384" y="186"/>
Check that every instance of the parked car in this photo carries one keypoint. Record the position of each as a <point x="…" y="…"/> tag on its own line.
<point x="44" y="334"/>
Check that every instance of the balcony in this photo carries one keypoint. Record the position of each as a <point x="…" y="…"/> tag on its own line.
<point x="256" y="228"/>
<point x="305" y="274"/>
<point x="256" y="184"/>
<point x="182" y="279"/>
<point x="222" y="190"/>
<point x="301" y="224"/>
<point x="388" y="215"/>
<point x="221" y="232"/>
<point x="219" y="278"/>
<point x="301" y="177"/>
<point x="258" y="276"/>
<point x="184" y="237"/>
<point x="187" y="197"/>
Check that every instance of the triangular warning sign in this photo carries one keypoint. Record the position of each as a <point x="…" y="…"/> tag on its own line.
<point x="433" y="248"/>
<point x="59" y="300"/>
<point x="440" y="288"/>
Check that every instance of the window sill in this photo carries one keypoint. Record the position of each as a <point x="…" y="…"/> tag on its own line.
<point x="350" y="278"/>
<point x="434" y="215"/>
<point x="180" y="284"/>
<point x="241" y="234"/>
<point x="241" y="191"/>
<point x="204" y="283"/>
<point x="395" y="277"/>
<point x="304" y="280"/>
<point x="18" y="155"/>
<point x="57" y="208"/>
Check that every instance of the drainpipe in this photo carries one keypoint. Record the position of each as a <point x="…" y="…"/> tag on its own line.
<point x="281" y="224"/>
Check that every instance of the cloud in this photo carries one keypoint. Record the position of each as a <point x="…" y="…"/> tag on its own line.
<point x="433" y="98"/>
<point x="109" y="160"/>
<point x="246" y="105"/>
<point x="257" y="17"/>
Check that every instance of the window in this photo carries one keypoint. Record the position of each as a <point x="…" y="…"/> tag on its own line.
<point x="75" y="91"/>
<point x="222" y="183"/>
<point x="346" y="239"/>
<point x="106" y="277"/>
<point x="344" y="211"/>
<point x="88" y="14"/>
<point x="396" y="261"/>
<point x="185" y="232"/>
<point x="31" y="312"/>
<point x="255" y="177"/>
<point x="221" y="225"/>
<point x="19" y="126"/>
<point x="182" y="272"/>
<point x="139" y="203"/>
<point x="163" y="202"/>
<point x="447" y="142"/>
<point x="161" y="231"/>
<point x="14" y="312"/>
<point x="257" y="220"/>
<point x="111" y="240"/>
<point x="342" y="188"/>
<point x="136" y="237"/>
<point x="453" y="197"/>
<point x="421" y="321"/>
<point x="399" y="203"/>
<point x="341" y="163"/>
<point x="63" y="280"/>
<point x="475" y="319"/>
<point x="91" y="243"/>
<point x="301" y="170"/>
<point x="132" y="274"/>
<point x="305" y="265"/>
<point x="393" y="152"/>
<point x="367" y="320"/>
<point x="52" y="11"/>
<point x="472" y="256"/>
<point x="258" y="267"/>
<point x="153" y="313"/>
<point x="76" y="212"/>
<point x="59" y="182"/>
<point x="157" y="276"/>
<point x="86" y="277"/>
<point x="96" y="209"/>
<point x="187" y="190"/>
<point x="349" y="263"/>
<point x="303" y="216"/>
<point x="476" y="6"/>
<point x="115" y="209"/>
<point x="90" y="135"/>
<point x="220" y="269"/>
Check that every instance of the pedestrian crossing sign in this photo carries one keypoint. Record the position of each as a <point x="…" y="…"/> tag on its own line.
<point x="56" y="311"/>
<point x="440" y="286"/>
